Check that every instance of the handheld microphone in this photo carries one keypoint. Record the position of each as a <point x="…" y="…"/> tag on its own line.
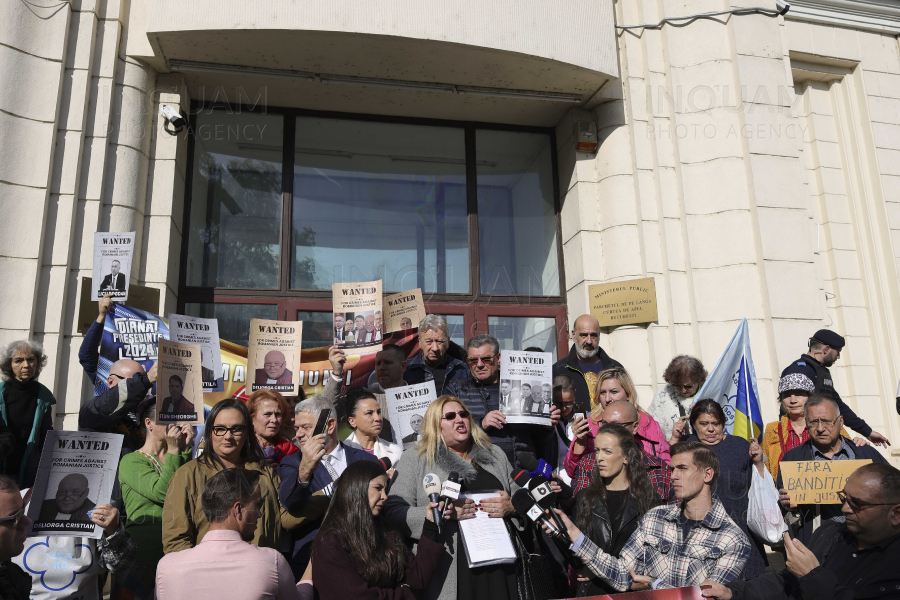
<point x="545" y="497"/>
<point x="520" y="477"/>
<point x="386" y="463"/>
<point x="535" y="466"/>
<point x="451" y="487"/>
<point x="433" y="488"/>
<point x="525" y="506"/>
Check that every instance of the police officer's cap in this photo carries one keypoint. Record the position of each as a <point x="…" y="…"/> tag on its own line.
<point x="829" y="338"/>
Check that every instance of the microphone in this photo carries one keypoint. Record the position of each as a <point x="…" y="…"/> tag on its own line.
<point x="433" y="488"/>
<point x="537" y="467"/>
<point x="545" y="497"/>
<point x="451" y="488"/>
<point x="520" y="477"/>
<point x="525" y="506"/>
<point x="386" y="463"/>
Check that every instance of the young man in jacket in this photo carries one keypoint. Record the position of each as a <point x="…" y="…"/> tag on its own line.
<point x="585" y="361"/>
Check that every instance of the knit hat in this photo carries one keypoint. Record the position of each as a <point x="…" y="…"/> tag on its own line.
<point x="795" y="381"/>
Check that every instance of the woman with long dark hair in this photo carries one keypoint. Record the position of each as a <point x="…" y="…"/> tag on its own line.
<point x="361" y="410"/>
<point x="609" y="509"/>
<point x="229" y="441"/>
<point x="358" y="555"/>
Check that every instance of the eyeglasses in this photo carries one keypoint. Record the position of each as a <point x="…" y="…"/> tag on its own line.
<point x="16" y="517"/>
<point x="826" y="422"/>
<point x="452" y="415"/>
<point x="69" y="493"/>
<point x="564" y="404"/>
<point x="236" y="431"/>
<point x="857" y="506"/>
<point x="488" y="360"/>
<point x="683" y="386"/>
<point x="114" y="375"/>
<point x="601" y="423"/>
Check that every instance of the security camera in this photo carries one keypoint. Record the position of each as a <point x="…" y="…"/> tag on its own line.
<point x="782" y="7"/>
<point x="173" y="118"/>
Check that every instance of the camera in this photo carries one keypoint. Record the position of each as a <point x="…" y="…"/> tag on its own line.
<point x="173" y="118"/>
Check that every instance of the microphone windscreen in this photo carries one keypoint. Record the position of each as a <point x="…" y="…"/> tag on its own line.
<point x="432" y="484"/>
<point x="453" y="476"/>
<point x="520" y="477"/>
<point x="522" y="502"/>
<point x="528" y="462"/>
<point x="386" y="463"/>
<point x="535" y="481"/>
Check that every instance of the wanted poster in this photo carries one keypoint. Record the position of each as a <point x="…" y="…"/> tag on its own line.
<point x="360" y="305"/>
<point x="406" y="409"/>
<point x="179" y="384"/>
<point x="404" y="310"/>
<point x="526" y="389"/>
<point x="204" y="332"/>
<point x="112" y="265"/>
<point x="274" y="355"/>
<point x="76" y="473"/>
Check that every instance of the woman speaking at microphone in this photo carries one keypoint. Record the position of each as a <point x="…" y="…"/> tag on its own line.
<point x="357" y="555"/>
<point x="452" y="442"/>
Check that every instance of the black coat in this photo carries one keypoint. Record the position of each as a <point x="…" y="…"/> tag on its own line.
<point x="569" y="366"/>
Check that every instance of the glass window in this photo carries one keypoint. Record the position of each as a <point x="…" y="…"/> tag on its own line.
<point x="234" y="319"/>
<point x="457" y="329"/>
<point x="516" y="214"/>
<point x="519" y="333"/>
<point x="236" y="203"/>
<point x="317" y="332"/>
<point x="379" y="201"/>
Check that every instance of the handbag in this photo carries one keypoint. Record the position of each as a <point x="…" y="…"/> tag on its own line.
<point x="534" y="574"/>
<point x="764" y="516"/>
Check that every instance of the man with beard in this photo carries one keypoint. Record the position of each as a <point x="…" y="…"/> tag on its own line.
<point x="585" y="360"/>
<point x="824" y="350"/>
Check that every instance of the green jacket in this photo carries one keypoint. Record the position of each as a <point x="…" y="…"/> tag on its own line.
<point x="43" y="422"/>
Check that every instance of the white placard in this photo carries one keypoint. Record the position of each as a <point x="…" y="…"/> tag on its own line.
<point x="486" y="540"/>
<point x="112" y="265"/>
<point x="406" y="409"/>
<point x="205" y="333"/>
<point x="526" y="386"/>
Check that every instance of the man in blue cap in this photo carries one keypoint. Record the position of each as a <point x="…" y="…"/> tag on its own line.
<point x="824" y="349"/>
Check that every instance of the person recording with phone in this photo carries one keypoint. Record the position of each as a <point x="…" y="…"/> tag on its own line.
<point x="358" y="554"/>
<point x="316" y="468"/>
<point x="451" y="441"/>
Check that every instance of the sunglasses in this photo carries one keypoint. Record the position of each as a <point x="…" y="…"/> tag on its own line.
<point x="488" y="360"/>
<point x="236" y="431"/>
<point x="16" y="517"/>
<point x="857" y="506"/>
<point x="452" y="415"/>
<point x="601" y="423"/>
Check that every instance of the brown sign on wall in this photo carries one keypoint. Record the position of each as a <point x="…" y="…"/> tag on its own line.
<point x="139" y="296"/>
<point x="624" y="302"/>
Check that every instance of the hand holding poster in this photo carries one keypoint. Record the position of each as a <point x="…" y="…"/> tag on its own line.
<point x="404" y="310"/>
<point x="205" y="332"/>
<point x="76" y="473"/>
<point x="181" y="384"/>
<point x="406" y="409"/>
<point x="359" y="303"/>
<point x="112" y="264"/>
<point x="274" y="355"/>
<point x="526" y="389"/>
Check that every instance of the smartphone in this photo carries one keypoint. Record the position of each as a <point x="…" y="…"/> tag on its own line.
<point x="323" y="420"/>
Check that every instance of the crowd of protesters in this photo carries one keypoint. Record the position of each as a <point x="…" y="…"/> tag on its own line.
<point x="256" y="504"/>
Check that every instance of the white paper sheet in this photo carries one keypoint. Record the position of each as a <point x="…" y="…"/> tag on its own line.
<point x="486" y="540"/>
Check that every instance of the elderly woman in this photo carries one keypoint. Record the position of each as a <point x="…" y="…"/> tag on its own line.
<point x="268" y="409"/>
<point x="794" y="389"/>
<point x="229" y="442"/>
<point x="451" y="441"/>
<point x="25" y="407"/>
<point x="672" y="403"/>
<point x="361" y="410"/>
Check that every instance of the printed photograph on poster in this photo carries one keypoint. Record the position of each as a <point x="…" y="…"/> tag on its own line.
<point x="128" y="333"/>
<point x="205" y="332"/>
<point x="404" y="310"/>
<point x="274" y="355"/>
<point x="526" y="388"/>
<point x="359" y="304"/>
<point x="179" y="385"/>
<point x="406" y="410"/>
<point x="76" y="473"/>
<point x="112" y="265"/>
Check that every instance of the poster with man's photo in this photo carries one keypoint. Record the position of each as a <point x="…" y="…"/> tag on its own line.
<point x="358" y="307"/>
<point x="179" y="384"/>
<point x="112" y="265"/>
<point x="273" y="356"/>
<point x="526" y="388"/>
<point x="406" y="409"/>
<point x="205" y="332"/>
<point x="132" y="334"/>
<point x="76" y="473"/>
<point x="404" y="310"/>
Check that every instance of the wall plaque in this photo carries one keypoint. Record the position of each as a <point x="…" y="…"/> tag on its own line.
<point x="624" y="302"/>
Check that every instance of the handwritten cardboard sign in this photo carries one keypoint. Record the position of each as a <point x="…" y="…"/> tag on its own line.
<point x="817" y="481"/>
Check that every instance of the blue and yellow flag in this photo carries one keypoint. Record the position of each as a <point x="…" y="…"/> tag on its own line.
<point x="732" y="383"/>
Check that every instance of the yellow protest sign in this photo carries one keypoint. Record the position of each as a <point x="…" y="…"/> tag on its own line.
<point x="817" y="481"/>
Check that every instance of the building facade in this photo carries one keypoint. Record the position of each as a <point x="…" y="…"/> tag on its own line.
<point x="749" y="162"/>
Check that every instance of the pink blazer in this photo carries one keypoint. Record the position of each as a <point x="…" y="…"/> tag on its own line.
<point x="649" y="436"/>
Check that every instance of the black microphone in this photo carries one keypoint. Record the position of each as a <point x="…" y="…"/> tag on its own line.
<point x="386" y="463"/>
<point x="521" y="477"/>
<point x="530" y="463"/>
<point x="545" y="497"/>
<point x="433" y="489"/>
<point x="451" y="488"/>
<point x="524" y="505"/>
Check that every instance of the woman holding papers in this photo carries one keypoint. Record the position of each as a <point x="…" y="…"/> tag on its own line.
<point x="451" y="442"/>
<point x="609" y="509"/>
<point x="361" y="410"/>
<point x="357" y="554"/>
<point x="269" y="409"/>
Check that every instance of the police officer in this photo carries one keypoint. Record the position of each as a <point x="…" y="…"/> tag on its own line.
<point x="824" y="349"/>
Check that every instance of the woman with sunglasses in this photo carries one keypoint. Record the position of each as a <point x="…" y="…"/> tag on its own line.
<point x="229" y="441"/>
<point x="451" y="441"/>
